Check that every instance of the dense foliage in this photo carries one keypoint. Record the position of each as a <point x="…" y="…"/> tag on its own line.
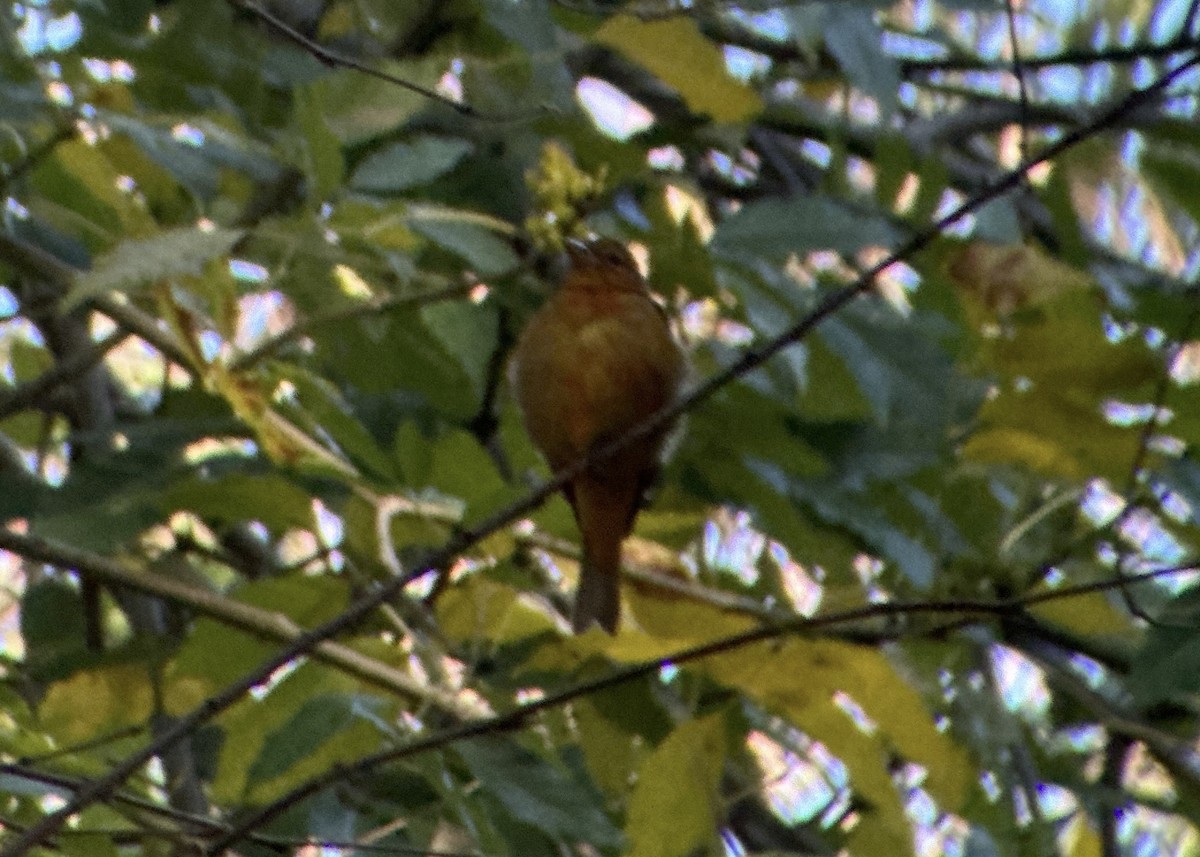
<point x="918" y="575"/>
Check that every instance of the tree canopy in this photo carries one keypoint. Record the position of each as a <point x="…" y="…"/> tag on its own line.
<point x="283" y="572"/>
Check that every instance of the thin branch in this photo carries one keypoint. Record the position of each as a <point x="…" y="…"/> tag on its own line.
<point x="32" y="393"/>
<point x="35" y="155"/>
<point x="264" y="624"/>
<point x="727" y="30"/>
<point x="461" y="541"/>
<point x="516" y="717"/>
<point x="270" y="347"/>
<point x="1018" y="70"/>
<point x="1158" y="404"/>
<point x="333" y="59"/>
<point x="1082" y="57"/>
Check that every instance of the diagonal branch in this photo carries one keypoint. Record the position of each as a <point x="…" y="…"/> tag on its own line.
<point x="516" y="717"/>
<point x="264" y="624"/>
<point x="33" y="392"/>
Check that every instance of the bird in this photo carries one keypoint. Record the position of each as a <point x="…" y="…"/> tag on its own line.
<point x="596" y="360"/>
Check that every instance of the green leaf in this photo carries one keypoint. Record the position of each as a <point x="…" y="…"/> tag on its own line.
<point x="216" y="654"/>
<point x="1171" y="162"/>
<point x="134" y="263"/>
<point x="79" y="177"/>
<point x="777" y="228"/>
<point x="538" y="792"/>
<point x="325" y="165"/>
<point x="406" y="165"/>
<point x="468" y="235"/>
<point x="312" y="731"/>
<point x="52" y="626"/>
<point x="1168" y="663"/>
<point x="856" y="42"/>
<point x="271" y="498"/>
<point x="682" y="57"/>
<point x="359" y="107"/>
<point x="97" y="702"/>
<point x="665" y="818"/>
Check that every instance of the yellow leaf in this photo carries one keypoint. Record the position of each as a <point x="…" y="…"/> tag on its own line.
<point x="1003" y="445"/>
<point x="679" y="54"/>
<point x="674" y="807"/>
<point x="477" y="607"/>
<point x="799" y="677"/>
<point x="611" y="752"/>
<point x="97" y="702"/>
<point x="1089" y="615"/>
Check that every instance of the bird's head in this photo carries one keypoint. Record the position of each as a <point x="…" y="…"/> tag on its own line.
<point x="604" y="262"/>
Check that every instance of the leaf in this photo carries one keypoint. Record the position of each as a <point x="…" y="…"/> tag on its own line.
<point x="325" y="165"/>
<point x="467" y="235"/>
<point x="538" y="792"/>
<point x="52" y="626"/>
<point x="1171" y="163"/>
<point x="332" y="727"/>
<point x="1007" y="277"/>
<point x="133" y="263"/>
<point x="319" y="407"/>
<point x="682" y="57"/>
<point x="1168" y="663"/>
<point x="359" y="107"/>
<point x="349" y="720"/>
<point x="216" y="654"/>
<point x="271" y="498"/>
<point x="768" y="672"/>
<point x="777" y="228"/>
<point x="1051" y="434"/>
<point x="469" y="333"/>
<point x="97" y="702"/>
<point x="406" y="165"/>
<point x="856" y="42"/>
<point x="81" y="178"/>
<point x="666" y="820"/>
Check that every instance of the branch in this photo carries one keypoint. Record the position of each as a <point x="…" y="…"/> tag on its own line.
<point x="67" y="370"/>
<point x="264" y="624"/>
<point x="35" y="262"/>
<point x="269" y="347"/>
<point x="751" y="360"/>
<point x="333" y="59"/>
<point x="517" y="717"/>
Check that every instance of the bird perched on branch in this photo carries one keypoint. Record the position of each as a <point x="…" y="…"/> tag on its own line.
<point x="595" y="361"/>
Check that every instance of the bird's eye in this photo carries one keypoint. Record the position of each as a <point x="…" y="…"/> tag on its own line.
<point x="614" y="254"/>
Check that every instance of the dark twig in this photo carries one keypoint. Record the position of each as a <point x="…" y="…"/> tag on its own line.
<point x="1018" y="70"/>
<point x="270" y="347"/>
<point x="516" y="717"/>
<point x="336" y="60"/>
<point x="461" y="541"/>
<point x="79" y="362"/>
<point x="1143" y="450"/>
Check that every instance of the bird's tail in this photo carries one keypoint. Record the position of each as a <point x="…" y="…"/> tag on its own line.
<point x="598" y="600"/>
<point x="604" y="513"/>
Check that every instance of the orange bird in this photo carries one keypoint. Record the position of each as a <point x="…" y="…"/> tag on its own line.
<point x="596" y="360"/>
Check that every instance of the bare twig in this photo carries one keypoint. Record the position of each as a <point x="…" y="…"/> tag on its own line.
<point x="76" y="364"/>
<point x="516" y="717"/>
<point x="271" y="346"/>
<point x="264" y="624"/>
<point x="1018" y="69"/>
<point x="336" y="60"/>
